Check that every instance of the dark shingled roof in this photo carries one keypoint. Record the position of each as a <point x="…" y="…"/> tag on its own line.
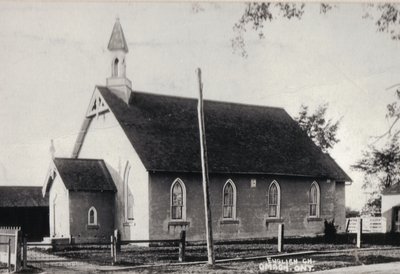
<point x="22" y="196"/>
<point x="394" y="189"/>
<point x="240" y="138"/>
<point x="84" y="174"/>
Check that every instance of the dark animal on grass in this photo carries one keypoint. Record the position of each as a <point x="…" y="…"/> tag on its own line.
<point x="330" y="231"/>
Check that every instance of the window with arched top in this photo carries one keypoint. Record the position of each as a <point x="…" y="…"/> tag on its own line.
<point x="274" y="200"/>
<point x="178" y="200"/>
<point x="128" y="195"/>
<point x="229" y="200"/>
<point x="314" y="200"/>
<point x="115" y="67"/>
<point x="92" y="216"/>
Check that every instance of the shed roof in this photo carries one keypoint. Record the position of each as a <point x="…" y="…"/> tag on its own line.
<point x="22" y="196"/>
<point x="240" y="138"/>
<point x="84" y="174"/>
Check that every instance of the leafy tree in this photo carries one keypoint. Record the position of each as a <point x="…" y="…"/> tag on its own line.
<point x="318" y="128"/>
<point x="256" y="14"/>
<point x="393" y="116"/>
<point x="373" y="205"/>
<point x="389" y="19"/>
<point x="381" y="166"/>
<point x="385" y="15"/>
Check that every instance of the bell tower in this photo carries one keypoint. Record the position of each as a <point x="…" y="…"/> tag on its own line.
<point x="118" y="82"/>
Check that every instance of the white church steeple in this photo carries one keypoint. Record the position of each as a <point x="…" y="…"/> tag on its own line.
<point x="118" y="82"/>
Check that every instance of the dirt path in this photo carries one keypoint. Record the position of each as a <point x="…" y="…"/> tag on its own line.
<point x="44" y="260"/>
<point x="385" y="268"/>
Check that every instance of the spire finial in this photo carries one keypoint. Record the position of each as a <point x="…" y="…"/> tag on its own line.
<point x="117" y="18"/>
<point x="52" y="149"/>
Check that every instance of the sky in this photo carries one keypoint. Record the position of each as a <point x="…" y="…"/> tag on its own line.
<point x="53" y="54"/>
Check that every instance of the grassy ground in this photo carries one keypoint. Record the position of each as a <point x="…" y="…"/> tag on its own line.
<point x="321" y="262"/>
<point x="357" y="257"/>
<point x="134" y="256"/>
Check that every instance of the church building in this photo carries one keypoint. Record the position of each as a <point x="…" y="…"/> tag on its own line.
<point x="136" y="167"/>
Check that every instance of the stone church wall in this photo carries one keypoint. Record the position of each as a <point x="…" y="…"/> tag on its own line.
<point x="251" y="207"/>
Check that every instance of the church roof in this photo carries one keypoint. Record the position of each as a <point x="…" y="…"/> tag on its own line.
<point x="84" y="174"/>
<point x="22" y="196"/>
<point x="392" y="190"/>
<point x="240" y="138"/>
<point x="117" y="39"/>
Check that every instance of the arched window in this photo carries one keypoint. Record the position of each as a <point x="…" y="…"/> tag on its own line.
<point x="115" y="68"/>
<point x="229" y="200"/>
<point x="314" y="200"/>
<point x="178" y="200"/>
<point x="92" y="216"/>
<point x="128" y="195"/>
<point x="274" y="200"/>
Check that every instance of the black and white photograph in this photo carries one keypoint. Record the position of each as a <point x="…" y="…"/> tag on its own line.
<point x="199" y="137"/>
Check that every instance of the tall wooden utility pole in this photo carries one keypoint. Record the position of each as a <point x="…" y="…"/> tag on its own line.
<point x="204" y="168"/>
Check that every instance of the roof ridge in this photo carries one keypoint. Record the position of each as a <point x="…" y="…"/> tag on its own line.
<point x="75" y="159"/>
<point x="145" y="93"/>
<point x="20" y="186"/>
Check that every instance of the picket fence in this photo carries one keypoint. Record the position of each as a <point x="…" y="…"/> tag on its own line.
<point x="10" y="247"/>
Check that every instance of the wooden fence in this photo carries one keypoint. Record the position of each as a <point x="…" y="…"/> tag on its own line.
<point x="369" y="225"/>
<point x="46" y="253"/>
<point x="10" y="247"/>
<point x="178" y="249"/>
<point x="116" y="245"/>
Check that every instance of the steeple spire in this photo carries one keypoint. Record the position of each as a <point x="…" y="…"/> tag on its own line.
<point x="117" y="39"/>
<point x="118" y="82"/>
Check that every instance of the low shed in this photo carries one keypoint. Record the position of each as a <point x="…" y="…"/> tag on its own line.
<point x="24" y="206"/>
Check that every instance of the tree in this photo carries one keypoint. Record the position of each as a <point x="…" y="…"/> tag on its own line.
<point x="388" y="19"/>
<point x="257" y="14"/>
<point x="373" y="205"/>
<point x="381" y="166"/>
<point x="318" y="128"/>
<point x="385" y="15"/>
<point x="393" y="116"/>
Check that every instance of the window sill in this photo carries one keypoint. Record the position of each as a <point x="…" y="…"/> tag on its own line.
<point x="178" y="223"/>
<point x="314" y="219"/>
<point x="92" y="227"/>
<point x="128" y="223"/>
<point x="229" y="221"/>
<point x="274" y="220"/>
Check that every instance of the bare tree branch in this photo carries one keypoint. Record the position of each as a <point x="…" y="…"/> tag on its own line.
<point x="256" y="14"/>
